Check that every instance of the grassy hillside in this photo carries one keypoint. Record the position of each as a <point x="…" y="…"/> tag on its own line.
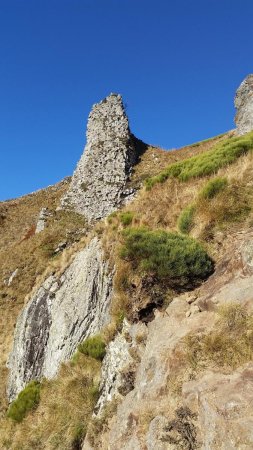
<point x="192" y="211"/>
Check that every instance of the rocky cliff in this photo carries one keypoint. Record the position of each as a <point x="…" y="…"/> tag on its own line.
<point x="244" y="106"/>
<point x="59" y="316"/>
<point x="99" y="183"/>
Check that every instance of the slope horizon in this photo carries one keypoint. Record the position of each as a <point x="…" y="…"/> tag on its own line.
<point x="59" y="60"/>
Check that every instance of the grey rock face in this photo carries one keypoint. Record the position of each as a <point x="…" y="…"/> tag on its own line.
<point x="43" y="215"/>
<point x="244" y="106"/>
<point x="117" y="357"/>
<point x="98" y="184"/>
<point x="62" y="313"/>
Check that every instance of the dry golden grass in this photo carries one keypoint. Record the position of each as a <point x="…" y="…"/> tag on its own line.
<point x="65" y="408"/>
<point x="155" y="159"/>
<point x="229" y="344"/>
<point x="32" y="255"/>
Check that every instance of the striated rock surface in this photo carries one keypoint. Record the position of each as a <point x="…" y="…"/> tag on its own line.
<point x="60" y="315"/>
<point x="98" y="185"/>
<point x="244" y="106"/>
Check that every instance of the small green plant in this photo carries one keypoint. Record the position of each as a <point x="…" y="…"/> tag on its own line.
<point x="213" y="187"/>
<point x="93" y="392"/>
<point x="126" y="218"/>
<point x="207" y="163"/>
<point x="93" y="347"/>
<point x="79" y="433"/>
<point x="170" y="256"/>
<point x="185" y="221"/>
<point x="27" y="400"/>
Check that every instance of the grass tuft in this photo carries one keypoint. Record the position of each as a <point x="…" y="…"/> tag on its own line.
<point x="229" y="345"/>
<point x="27" y="400"/>
<point x="126" y="218"/>
<point x="185" y="221"/>
<point x="213" y="187"/>
<point x="93" y="347"/>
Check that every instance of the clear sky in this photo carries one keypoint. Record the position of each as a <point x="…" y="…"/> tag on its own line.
<point x="177" y="64"/>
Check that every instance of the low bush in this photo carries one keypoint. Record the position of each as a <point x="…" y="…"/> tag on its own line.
<point x="213" y="187"/>
<point x="126" y="217"/>
<point x="185" y="221"/>
<point x="27" y="400"/>
<point x="207" y="163"/>
<point x="93" y="347"/>
<point x="178" y="259"/>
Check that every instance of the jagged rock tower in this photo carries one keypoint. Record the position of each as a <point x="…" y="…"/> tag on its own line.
<point x="98" y="185"/>
<point x="244" y="106"/>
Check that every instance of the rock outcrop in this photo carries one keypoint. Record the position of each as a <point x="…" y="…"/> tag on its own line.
<point x="170" y="407"/>
<point x="119" y="364"/>
<point x="43" y="216"/>
<point x="98" y="185"/>
<point x="60" y="315"/>
<point x="244" y="106"/>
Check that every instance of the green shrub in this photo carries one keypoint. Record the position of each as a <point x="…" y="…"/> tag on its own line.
<point x="213" y="187"/>
<point x="185" y="221"/>
<point x="170" y="256"/>
<point x="207" y="163"/>
<point x="27" y="400"/>
<point x="94" y="347"/>
<point x="126" y="218"/>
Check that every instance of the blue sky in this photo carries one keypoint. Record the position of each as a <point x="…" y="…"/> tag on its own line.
<point x="176" y="63"/>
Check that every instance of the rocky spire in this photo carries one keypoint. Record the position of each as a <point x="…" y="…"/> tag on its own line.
<point x="244" y="106"/>
<point x="98" y="184"/>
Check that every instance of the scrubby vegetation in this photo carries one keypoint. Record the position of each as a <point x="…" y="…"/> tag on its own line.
<point x="169" y="256"/>
<point x="61" y="418"/>
<point x="185" y="220"/>
<point x="27" y="400"/>
<point x="126" y="218"/>
<point x="93" y="347"/>
<point x="208" y="163"/>
<point x="230" y="344"/>
<point x="230" y="206"/>
<point x="213" y="187"/>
